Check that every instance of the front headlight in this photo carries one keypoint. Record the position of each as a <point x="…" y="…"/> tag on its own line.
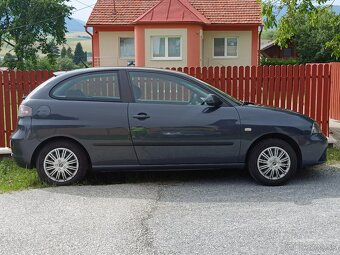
<point x="316" y="129"/>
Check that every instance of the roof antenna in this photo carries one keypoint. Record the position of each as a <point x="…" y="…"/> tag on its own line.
<point x="114" y="7"/>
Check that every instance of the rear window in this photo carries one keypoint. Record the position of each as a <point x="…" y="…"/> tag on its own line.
<point x="91" y="87"/>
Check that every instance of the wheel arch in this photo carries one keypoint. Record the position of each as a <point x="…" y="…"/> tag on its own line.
<point x="57" y="138"/>
<point x="283" y="137"/>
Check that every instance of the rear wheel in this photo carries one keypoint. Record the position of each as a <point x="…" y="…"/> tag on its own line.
<point x="62" y="163"/>
<point x="272" y="162"/>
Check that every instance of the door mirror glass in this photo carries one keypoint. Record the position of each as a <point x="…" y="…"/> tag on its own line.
<point x="213" y="100"/>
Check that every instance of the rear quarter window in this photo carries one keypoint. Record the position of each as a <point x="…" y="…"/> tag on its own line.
<point x="89" y="87"/>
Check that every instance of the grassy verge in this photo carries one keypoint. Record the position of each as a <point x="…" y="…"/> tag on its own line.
<point x="333" y="156"/>
<point x="13" y="178"/>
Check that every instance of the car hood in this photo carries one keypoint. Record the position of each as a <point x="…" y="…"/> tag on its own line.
<point x="266" y="113"/>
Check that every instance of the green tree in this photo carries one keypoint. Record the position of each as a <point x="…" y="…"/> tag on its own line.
<point x="69" y="53"/>
<point x="28" y="25"/>
<point x="286" y="29"/>
<point x="65" y="64"/>
<point x="63" y="52"/>
<point x="312" y="36"/>
<point x="79" y="54"/>
<point x="9" y="61"/>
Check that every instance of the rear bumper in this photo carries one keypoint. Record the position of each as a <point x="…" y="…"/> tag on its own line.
<point x="22" y="145"/>
<point x="314" y="150"/>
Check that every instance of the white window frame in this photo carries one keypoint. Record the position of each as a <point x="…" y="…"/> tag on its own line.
<point x="225" y="47"/>
<point x="167" y="47"/>
<point x="120" y="55"/>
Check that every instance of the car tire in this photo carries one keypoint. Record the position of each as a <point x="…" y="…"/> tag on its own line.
<point x="272" y="162"/>
<point x="62" y="163"/>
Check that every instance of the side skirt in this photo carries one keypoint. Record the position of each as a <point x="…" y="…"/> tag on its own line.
<point x="122" y="168"/>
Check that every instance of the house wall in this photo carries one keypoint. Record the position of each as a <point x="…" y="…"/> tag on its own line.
<point x="244" y="57"/>
<point x="197" y="44"/>
<point x="109" y="51"/>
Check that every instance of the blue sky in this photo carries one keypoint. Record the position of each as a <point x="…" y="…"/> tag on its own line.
<point x="85" y="13"/>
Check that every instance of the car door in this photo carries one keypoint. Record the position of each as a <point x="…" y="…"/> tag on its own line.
<point x="91" y="109"/>
<point x="169" y="124"/>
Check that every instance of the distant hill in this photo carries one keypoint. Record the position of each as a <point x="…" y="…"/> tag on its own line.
<point x="336" y="9"/>
<point x="75" y="25"/>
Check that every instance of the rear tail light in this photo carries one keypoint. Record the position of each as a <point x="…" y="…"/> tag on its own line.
<point x="25" y="111"/>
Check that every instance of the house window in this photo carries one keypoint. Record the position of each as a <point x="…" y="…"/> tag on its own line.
<point x="166" y="48"/>
<point x="127" y="48"/>
<point x="225" y="47"/>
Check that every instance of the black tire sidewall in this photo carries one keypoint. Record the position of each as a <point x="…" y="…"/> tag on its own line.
<point x="79" y="152"/>
<point x="255" y="153"/>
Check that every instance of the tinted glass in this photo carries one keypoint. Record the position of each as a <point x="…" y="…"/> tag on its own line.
<point x="219" y="47"/>
<point x="158" y="47"/>
<point x="100" y="86"/>
<point x="174" y="47"/>
<point x="165" y="89"/>
<point x="127" y="47"/>
<point x="232" y="47"/>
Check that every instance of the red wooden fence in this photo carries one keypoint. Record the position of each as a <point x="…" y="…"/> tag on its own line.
<point x="335" y="92"/>
<point x="301" y="88"/>
<point x="13" y="86"/>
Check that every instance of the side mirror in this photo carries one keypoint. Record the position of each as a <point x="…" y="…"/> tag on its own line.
<point x="213" y="100"/>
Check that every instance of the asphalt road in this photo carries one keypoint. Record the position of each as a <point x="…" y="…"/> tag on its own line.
<point x="177" y="213"/>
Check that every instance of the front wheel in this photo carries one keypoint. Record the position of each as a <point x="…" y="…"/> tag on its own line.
<point x="62" y="163"/>
<point x="272" y="162"/>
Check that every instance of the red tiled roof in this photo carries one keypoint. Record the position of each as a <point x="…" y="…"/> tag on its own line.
<point x="216" y="11"/>
<point x="172" y="11"/>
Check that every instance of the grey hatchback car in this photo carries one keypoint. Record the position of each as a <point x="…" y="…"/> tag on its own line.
<point x="123" y="119"/>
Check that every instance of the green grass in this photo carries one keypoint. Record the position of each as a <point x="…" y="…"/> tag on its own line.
<point x="333" y="156"/>
<point x="14" y="178"/>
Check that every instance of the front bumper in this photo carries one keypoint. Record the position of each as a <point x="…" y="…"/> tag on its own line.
<point x="314" y="150"/>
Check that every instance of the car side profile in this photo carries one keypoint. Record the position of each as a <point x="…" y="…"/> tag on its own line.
<point x="123" y="119"/>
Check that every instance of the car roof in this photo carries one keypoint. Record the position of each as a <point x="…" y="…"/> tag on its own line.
<point x="96" y="69"/>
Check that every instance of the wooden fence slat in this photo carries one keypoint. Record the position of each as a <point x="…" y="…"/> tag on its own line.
<point x="265" y="85"/>
<point x="283" y="86"/>
<point x="289" y="86"/>
<point x="211" y="75"/>
<point x="259" y="82"/>
<point x="26" y="85"/>
<point x="302" y="86"/>
<point x="229" y="80"/>
<point x="271" y="86"/>
<point x="246" y="85"/>
<point x="234" y="79"/>
<point x="223" y="79"/>
<point x="14" y="101"/>
<point x="253" y="84"/>
<point x="313" y="92"/>
<point x="308" y="90"/>
<point x="217" y="82"/>
<point x="295" y="87"/>
<point x="241" y="83"/>
<point x="19" y="86"/>
<point x="277" y="87"/>
<point x="326" y="101"/>
<point x="198" y="73"/>
<point x="7" y="101"/>
<point x="32" y="82"/>
<point x="319" y="97"/>
<point x="2" y="113"/>
<point x="205" y="74"/>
